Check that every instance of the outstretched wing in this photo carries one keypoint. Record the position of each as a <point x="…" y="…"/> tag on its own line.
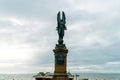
<point x="58" y="17"/>
<point x="63" y="17"/>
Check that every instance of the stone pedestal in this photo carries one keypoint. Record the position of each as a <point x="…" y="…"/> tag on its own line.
<point x="60" y="72"/>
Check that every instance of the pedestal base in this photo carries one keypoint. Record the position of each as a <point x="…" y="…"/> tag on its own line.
<point x="60" y="76"/>
<point x="60" y="72"/>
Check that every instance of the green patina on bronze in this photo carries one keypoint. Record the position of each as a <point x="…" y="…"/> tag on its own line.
<point x="59" y="59"/>
<point x="61" y="26"/>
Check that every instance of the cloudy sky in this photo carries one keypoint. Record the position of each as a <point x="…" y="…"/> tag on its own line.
<point x="28" y="35"/>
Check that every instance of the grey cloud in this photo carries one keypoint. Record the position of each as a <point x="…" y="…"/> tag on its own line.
<point x="38" y="9"/>
<point x="46" y="37"/>
<point x="95" y="56"/>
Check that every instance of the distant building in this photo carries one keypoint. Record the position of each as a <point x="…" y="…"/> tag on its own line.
<point x="49" y="76"/>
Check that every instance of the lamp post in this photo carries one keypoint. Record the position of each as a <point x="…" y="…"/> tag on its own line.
<point x="76" y="75"/>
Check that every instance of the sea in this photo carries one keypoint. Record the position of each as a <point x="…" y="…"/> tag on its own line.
<point x="98" y="76"/>
<point x="80" y="76"/>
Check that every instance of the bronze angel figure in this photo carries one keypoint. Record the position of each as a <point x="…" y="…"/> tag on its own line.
<point x="61" y="26"/>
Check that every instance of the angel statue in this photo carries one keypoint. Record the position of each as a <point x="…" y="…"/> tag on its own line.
<point x="61" y="26"/>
